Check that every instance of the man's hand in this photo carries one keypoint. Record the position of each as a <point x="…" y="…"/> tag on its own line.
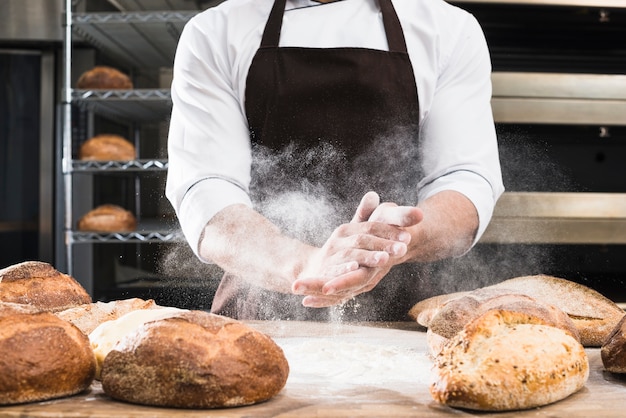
<point x="358" y="254"/>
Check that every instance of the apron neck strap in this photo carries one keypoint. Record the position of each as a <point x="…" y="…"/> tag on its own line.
<point x="393" y="28"/>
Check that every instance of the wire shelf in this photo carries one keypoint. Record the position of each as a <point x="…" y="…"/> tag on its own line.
<point x="134" y="39"/>
<point x="139" y="105"/>
<point x="76" y="237"/>
<point x="88" y="166"/>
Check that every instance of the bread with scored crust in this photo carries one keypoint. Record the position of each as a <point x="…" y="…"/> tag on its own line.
<point x="88" y="317"/>
<point x="43" y="357"/>
<point x="195" y="360"/>
<point x="505" y="360"/>
<point x="593" y="314"/>
<point x="41" y="286"/>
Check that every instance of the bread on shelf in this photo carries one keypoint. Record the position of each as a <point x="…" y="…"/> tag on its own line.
<point x="103" y="77"/>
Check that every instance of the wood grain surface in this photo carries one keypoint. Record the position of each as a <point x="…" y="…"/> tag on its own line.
<point x="348" y="370"/>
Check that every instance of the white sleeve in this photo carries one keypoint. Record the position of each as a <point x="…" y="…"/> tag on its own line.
<point x="208" y="145"/>
<point x="459" y="145"/>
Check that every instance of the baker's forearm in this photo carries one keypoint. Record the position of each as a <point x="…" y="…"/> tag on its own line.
<point x="447" y="230"/>
<point x="246" y="244"/>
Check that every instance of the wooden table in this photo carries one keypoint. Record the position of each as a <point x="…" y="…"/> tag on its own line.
<point x="341" y="370"/>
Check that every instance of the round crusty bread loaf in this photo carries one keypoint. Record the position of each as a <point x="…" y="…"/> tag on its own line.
<point x="104" y="77"/>
<point x="195" y="360"/>
<point x="613" y="351"/>
<point x="507" y="361"/>
<point x="105" y="147"/>
<point x="41" y="286"/>
<point x="43" y="357"/>
<point x="459" y="312"/>
<point x="108" y="218"/>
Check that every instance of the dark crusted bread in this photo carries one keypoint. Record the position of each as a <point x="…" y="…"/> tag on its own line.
<point x="613" y="351"/>
<point x="194" y="360"/>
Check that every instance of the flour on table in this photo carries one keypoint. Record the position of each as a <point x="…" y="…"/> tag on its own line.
<point x="353" y="363"/>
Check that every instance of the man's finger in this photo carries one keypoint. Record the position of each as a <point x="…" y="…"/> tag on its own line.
<point x="368" y="204"/>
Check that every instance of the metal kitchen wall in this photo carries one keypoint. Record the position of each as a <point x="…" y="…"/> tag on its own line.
<point x="30" y="43"/>
<point x="560" y="106"/>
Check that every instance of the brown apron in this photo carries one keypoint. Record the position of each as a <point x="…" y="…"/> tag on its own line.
<point x="345" y="98"/>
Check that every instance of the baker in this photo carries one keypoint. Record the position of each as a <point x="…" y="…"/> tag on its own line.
<point x="377" y="105"/>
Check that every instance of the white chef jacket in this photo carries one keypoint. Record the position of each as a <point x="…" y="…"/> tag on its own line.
<point x="209" y="142"/>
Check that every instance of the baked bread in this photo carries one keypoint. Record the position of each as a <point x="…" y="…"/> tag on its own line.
<point x="195" y="360"/>
<point x="613" y="351"/>
<point x="105" y="78"/>
<point x="41" y="286"/>
<point x="106" y="147"/>
<point x="88" y="317"/>
<point x="507" y="360"/>
<point x="108" y="218"/>
<point x="106" y="335"/>
<point x="593" y="314"/>
<point x="459" y="312"/>
<point x="43" y="357"/>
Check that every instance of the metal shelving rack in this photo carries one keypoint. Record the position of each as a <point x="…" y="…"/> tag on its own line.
<point x="138" y="37"/>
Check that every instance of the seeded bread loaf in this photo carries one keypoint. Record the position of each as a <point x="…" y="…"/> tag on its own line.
<point x="507" y="360"/>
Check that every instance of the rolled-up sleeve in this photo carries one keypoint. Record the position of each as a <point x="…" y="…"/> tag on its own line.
<point x="459" y="144"/>
<point x="208" y="143"/>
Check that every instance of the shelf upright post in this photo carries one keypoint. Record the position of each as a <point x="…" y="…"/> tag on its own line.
<point x="66" y="159"/>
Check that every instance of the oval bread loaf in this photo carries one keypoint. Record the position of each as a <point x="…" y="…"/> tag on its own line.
<point x="507" y="361"/>
<point x="43" y="357"/>
<point x="195" y="360"/>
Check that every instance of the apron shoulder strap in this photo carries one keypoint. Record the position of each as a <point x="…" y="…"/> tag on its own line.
<point x="271" y="34"/>
<point x="393" y="28"/>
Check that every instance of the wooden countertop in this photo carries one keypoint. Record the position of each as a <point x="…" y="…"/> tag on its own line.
<point x="348" y="370"/>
